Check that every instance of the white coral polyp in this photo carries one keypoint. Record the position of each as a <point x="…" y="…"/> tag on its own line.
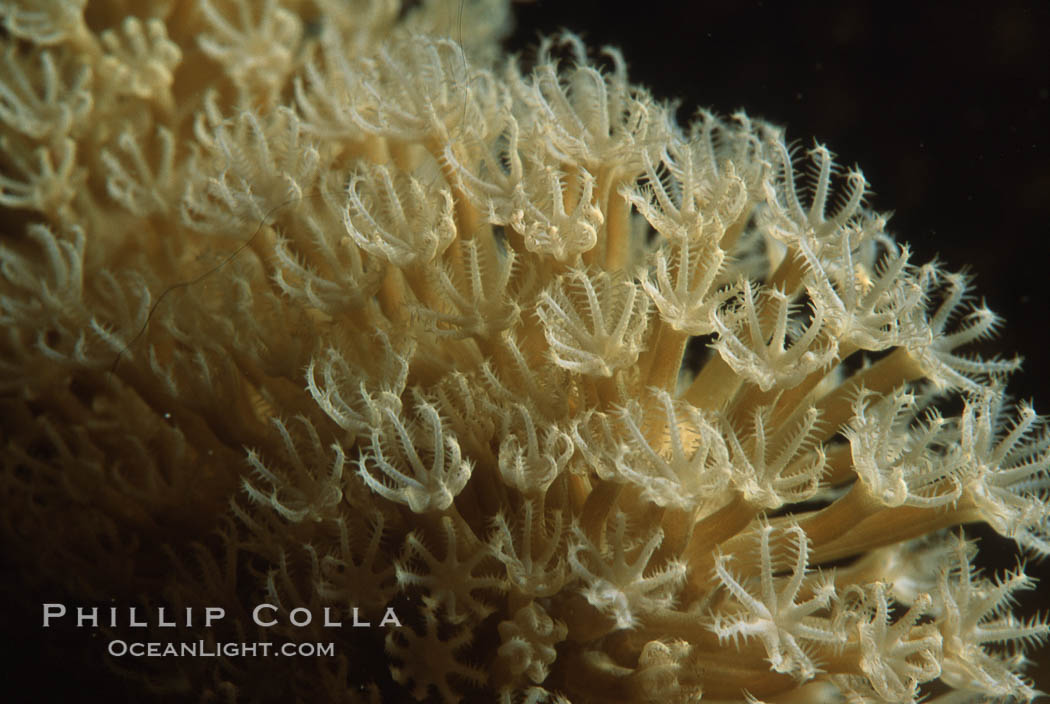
<point x="593" y="323"/>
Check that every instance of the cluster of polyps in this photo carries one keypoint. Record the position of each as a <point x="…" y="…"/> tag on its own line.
<point x="432" y="354"/>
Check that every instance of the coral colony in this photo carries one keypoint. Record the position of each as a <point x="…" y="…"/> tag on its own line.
<point x="314" y="311"/>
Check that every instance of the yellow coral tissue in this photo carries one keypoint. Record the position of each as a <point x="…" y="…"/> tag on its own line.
<point x="346" y="358"/>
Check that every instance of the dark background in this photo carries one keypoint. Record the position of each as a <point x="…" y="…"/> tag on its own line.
<point x="943" y="105"/>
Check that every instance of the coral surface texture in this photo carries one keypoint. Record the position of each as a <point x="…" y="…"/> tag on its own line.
<point x="482" y="375"/>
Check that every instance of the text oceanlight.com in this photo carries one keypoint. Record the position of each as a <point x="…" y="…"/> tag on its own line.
<point x="160" y="618"/>
<point x="121" y="648"/>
